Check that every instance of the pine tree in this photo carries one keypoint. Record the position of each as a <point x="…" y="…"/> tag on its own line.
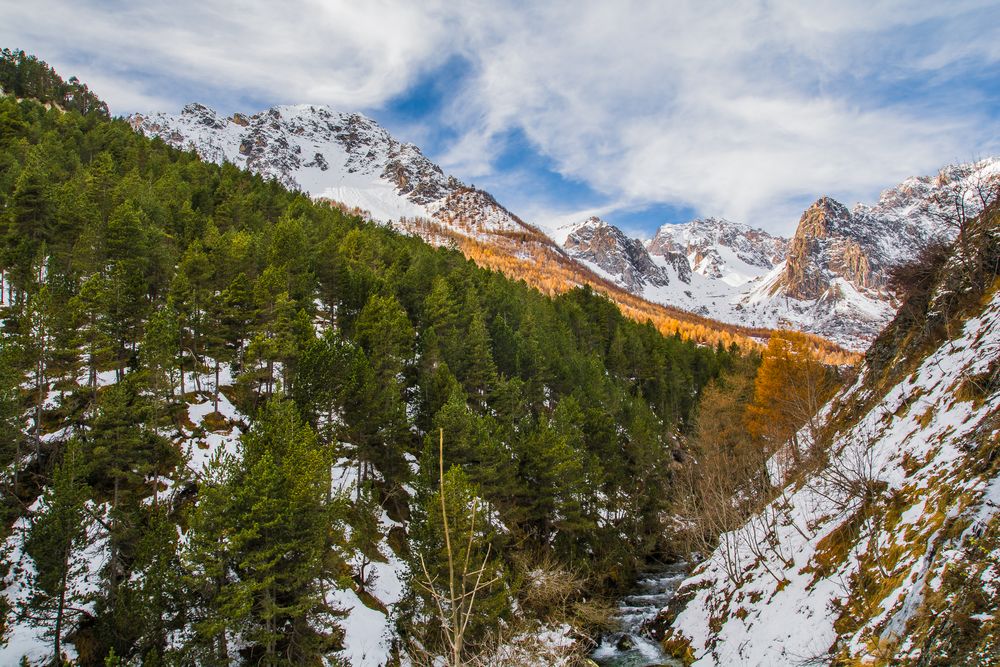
<point x="161" y="349"/>
<point x="29" y="226"/>
<point x="190" y="292"/>
<point x="441" y="314"/>
<point x="553" y="478"/>
<point x="124" y="451"/>
<point x="156" y="584"/>
<point x="11" y="435"/>
<point x="385" y="333"/>
<point x="278" y="527"/>
<point x="478" y="371"/>
<point x="56" y="535"/>
<point x="89" y="312"/>
<point x="374" y="421"/>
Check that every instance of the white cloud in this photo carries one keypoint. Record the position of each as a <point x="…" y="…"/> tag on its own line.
<point x="339" y="52"/>
<point x="735" y="109"/>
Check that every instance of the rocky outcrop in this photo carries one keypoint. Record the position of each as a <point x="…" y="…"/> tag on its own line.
<point x="830" y="278"/>
<point x="827" y="245"/>
<point x="625" y="260"/>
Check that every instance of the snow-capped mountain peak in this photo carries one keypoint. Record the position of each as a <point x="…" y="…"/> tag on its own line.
<point x="830" y="278"/>
<point x="607" y="250"/>
<point x="343" y="157"/>
<point x="721" y="249"/>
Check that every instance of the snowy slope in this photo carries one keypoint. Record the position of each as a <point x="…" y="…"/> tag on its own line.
<point x="852" y="561"/>
<point x="203" y="438"/>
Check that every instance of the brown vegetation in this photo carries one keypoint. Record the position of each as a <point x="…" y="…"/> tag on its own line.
<point x="529" y="255"/>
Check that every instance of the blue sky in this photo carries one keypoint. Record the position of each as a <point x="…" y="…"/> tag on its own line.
<point x="644" y="113"/>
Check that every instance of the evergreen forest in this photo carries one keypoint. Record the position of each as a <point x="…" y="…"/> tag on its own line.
<point x="139" y="282"/>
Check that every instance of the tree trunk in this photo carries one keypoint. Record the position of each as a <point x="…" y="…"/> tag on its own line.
<point x="40" y="398"/>
<point x="61" y="610"/>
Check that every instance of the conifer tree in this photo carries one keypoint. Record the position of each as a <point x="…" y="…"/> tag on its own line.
<point x="374" y="421"/>
<point x="11" y="436"/>
<point x="278" y="529"/>
<point x="161" y="349"/>
<point x="478" y="371"/>
<point x="384" y="331"/>
<point x="29" y="225"/>
<point x="441" y="314"/>
<point x="54" y="542"/>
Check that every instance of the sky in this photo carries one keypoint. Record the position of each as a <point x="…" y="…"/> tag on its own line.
<point x="643" y="113"/>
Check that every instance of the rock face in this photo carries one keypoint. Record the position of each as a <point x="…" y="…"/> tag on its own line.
<point x="830" y="278"/>
<point x="826" y="245"/>
<point x="607" y="248"/>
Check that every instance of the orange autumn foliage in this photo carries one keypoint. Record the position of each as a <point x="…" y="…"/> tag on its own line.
<point x="792" y="384"/>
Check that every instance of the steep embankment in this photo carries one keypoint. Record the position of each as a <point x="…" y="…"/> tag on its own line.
<point x="885" y="548"/>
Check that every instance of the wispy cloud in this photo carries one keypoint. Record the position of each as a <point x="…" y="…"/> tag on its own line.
<point x="743" y="110"/>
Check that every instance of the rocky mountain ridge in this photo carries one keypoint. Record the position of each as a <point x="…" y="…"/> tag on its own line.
<point x="607" y="249"/>
<point x="344" y="157"/>
<point x="351" y="161"/>
<point x="704" y="241"/>
<point x="830" y="278"/>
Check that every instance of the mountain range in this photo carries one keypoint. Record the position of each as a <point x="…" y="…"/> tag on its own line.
<point x="829" y="279"/>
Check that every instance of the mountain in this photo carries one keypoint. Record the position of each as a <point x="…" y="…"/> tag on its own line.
<point x="343" y="157"/>
<point x="882" y="544"/>
<point x="606" y="249"/>
<point x="352" y="162"/>
<point x="704" y="266"/>
<point x="720" y="249"/>
<point x="829" y="279"/>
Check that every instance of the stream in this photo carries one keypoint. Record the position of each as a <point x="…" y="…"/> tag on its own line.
<point x="629" y="646"/>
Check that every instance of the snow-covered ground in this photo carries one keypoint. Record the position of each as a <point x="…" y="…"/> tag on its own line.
<point x="367" y="631"/>
<point x="772" y="597"/>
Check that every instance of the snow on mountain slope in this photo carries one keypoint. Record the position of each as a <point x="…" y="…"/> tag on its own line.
<point x="892" y="540"/>
<point x="344" y="157"/>
<point x="720" y="249"/>
<point x="829" y="279"/>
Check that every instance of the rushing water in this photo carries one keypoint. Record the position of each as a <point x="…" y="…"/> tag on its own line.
<point x="629" y="646"/>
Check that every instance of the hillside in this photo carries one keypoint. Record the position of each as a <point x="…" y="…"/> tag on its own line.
<point x="221" y="403"/>
<point x="350" y="161"/>
<point x="882" y="544"/>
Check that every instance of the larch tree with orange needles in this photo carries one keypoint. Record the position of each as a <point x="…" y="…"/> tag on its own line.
<point x="792" y="385"/>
